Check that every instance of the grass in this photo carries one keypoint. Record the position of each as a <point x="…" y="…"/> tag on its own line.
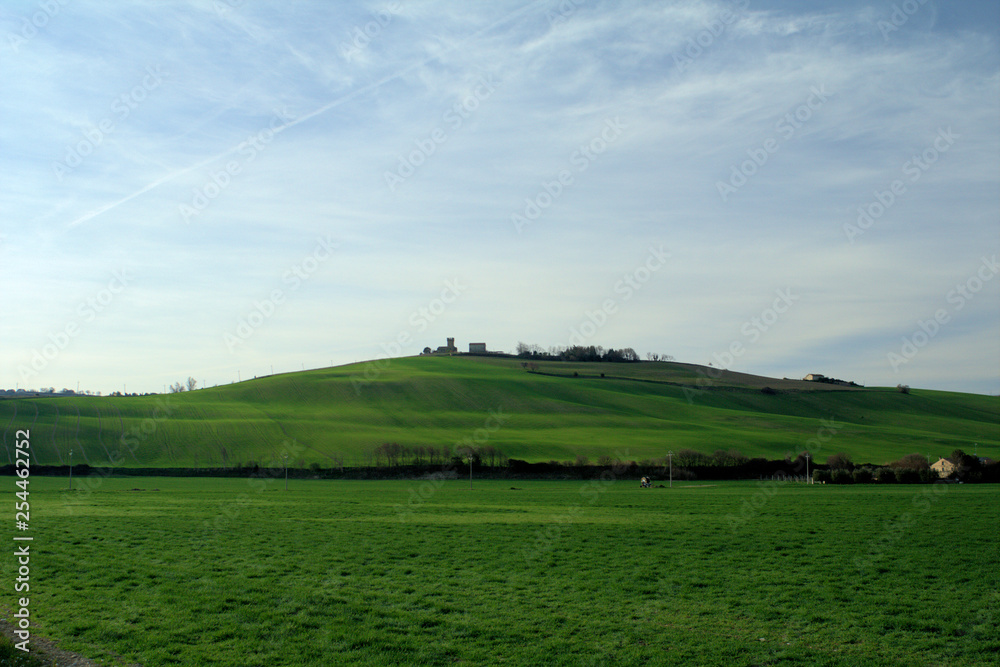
<point x="240" y="572"/>
<point x="640" y="410"/>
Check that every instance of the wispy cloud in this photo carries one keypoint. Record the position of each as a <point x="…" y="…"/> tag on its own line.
<point x="702" y="88"/>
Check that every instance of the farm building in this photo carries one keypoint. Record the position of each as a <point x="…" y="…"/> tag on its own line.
<point x="477" y="348"/>
<point x="944" y="467"/>
<point x="814" y="377"/>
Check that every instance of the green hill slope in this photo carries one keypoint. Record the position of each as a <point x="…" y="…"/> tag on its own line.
<point x="636" y="411"/>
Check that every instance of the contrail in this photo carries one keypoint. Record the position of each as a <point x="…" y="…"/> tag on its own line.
<point x="292" y="123"/>
<point x="155" y="184"/>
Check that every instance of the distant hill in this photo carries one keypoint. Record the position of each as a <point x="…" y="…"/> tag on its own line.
<point x="553" y="412"/>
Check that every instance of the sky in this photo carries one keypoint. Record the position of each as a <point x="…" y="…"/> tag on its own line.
<point x="222" y="189"/>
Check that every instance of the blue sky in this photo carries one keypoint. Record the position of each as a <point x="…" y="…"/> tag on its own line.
<point x="218" y="189"/>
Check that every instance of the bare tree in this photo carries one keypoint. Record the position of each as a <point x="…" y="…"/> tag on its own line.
<point x="192" y="384"/>
<point x="176" y="388"/>
<point x="839" y="460"/>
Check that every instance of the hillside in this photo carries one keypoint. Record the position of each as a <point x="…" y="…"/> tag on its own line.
<point x="637" y="411"/>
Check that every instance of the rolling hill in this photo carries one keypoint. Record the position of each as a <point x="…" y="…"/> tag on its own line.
<point x="555" y="412"/>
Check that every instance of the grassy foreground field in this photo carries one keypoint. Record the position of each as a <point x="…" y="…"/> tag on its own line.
<point x="637" y="411"/>
<point x="170" y="571"/>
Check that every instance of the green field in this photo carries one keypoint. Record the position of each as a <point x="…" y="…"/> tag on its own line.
<point x="170" y="571"/>
<point x="637" y="411"/>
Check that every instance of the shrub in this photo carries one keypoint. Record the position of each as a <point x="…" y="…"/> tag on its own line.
<point x="821" y="476"/>
<point x="10" y="655"/>
<point x="886" y="476"/>
<point x="862" y="476"/>
<point x="769" y="391"/>
<point x="903" y="388"/>
<point x="841" y="476"/>
<point x="908" y="476"/>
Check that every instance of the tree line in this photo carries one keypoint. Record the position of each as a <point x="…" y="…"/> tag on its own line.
<point x="592" y="353"/>
<point x="395" y="455"/>
<point x="910" y="469"/>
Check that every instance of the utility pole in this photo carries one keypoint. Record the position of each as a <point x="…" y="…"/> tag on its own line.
<point x="670" y="455"/>
<point x="71" y="470"/>
<point x="285" y="457"/>
<point x="808" y="480"/>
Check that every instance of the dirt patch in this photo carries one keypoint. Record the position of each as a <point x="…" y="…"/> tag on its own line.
<point x="48" y="652"/>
